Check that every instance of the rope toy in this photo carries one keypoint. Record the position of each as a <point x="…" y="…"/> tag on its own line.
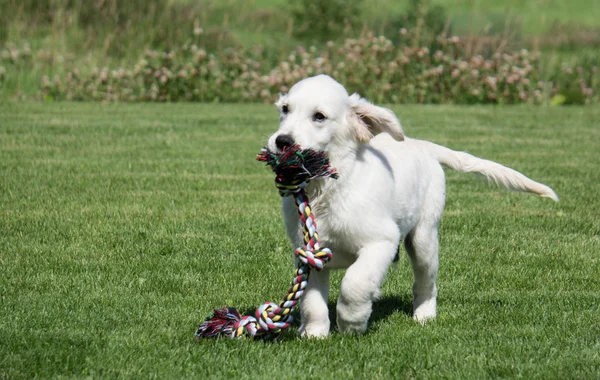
<point x="294" y="168"/>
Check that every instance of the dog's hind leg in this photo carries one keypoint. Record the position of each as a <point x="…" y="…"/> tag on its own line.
<point x="422" y="248"/>
<point x="360" y="286"/>
<point x="313" y="308"/>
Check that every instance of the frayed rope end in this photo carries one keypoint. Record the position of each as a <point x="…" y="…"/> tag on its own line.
<point x="220" y="323"/>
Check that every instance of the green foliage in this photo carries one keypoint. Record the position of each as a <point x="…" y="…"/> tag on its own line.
<point x="430" y="21"/>
<point x="124" y="19"/>
<point x="119" y="28"/>
<point x="123" y="225"/>
<point x="326" y="20"/>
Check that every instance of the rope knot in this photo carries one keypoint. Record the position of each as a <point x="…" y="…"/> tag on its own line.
<point x="269" y="319"/>
<point x="272" y="318"/>
<point x="245" y="324"/>
<point x="315" y="259"/>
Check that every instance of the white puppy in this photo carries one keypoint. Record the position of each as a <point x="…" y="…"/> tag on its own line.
<point x="390" y="188"/>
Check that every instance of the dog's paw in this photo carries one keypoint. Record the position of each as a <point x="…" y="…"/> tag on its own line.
<point x="423" y="319"/>
<point x="352" y="328"/>
<point x="353" y="318"/>
<point x="314" y="331"/>
<point x="426" y="311"/>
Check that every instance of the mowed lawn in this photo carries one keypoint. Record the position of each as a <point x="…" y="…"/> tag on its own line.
<point x="121" y="226"/>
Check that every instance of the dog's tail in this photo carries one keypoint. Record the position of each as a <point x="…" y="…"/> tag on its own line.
<point x="494" y="172"/>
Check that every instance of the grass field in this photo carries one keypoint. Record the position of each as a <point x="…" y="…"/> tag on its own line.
<point x="121" y="226"/>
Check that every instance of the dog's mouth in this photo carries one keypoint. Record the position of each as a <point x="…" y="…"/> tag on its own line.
<point x="295" y="165"/>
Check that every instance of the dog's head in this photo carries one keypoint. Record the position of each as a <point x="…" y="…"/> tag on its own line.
<point x="318" y="113"/>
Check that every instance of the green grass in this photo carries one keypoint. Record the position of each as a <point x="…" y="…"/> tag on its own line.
<point x="121" y="226"/>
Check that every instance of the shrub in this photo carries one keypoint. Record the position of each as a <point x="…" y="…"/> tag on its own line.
<point x="16" y="56"/>
<point x="372" y="66"/>
<point x="578" y="80"/>
<point x="13" y="58"/>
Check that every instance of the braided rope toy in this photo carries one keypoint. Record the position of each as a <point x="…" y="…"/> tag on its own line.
<point x="294" y="168"/>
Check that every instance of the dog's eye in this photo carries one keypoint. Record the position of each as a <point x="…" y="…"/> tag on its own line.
<point x="285" y="109"/>
<point x="319" y="117"/>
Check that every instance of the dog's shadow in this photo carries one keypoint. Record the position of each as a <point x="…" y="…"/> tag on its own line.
<point x="383" y="309"/>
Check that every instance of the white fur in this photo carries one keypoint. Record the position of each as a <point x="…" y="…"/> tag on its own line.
<point x="389" y="189"/>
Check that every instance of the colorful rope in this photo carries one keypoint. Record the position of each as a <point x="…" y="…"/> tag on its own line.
<point x="294" y="169"/>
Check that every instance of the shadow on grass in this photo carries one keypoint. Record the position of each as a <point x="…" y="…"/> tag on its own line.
<point x="383" y="308"/>
<point x="388" y="305"/>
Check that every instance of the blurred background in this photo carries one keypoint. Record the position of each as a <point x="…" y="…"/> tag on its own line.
<point x="409" y="51"/>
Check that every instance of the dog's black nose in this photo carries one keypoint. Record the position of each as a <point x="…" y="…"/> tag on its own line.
<point x="284" y="141"/>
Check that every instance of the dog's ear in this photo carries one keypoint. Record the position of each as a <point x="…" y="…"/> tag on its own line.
<point x="371" y="120"/>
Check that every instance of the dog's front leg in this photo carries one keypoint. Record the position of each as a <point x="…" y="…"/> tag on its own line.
<point x="360" y="286"/>
<point x="313" y="307"/>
